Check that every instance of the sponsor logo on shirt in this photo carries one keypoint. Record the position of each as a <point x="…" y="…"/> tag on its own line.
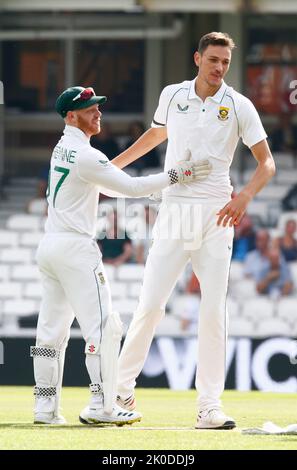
<point x="91" y="348"/>
<point x="223" y="113"/>
<point x="103" y="162"/>
<point x="182" y="109"/>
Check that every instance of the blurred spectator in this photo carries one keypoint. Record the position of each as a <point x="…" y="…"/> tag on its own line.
<point x="289" y="202"/>
<point x="274" y="278"/>
<point x="150" y="159"/>
<point x="288" y="243"/>
<point x="256" y="259"/>
<point x="116" y="247"/>
<point x="284" y="136"/>
<point x="142" y="245"/>
<point x="3" y="181"/>
<point x="244" y="238"/>
<point x="189" y="312"/>
<point x="38" y="205"/>
<point x="105" y="142"/>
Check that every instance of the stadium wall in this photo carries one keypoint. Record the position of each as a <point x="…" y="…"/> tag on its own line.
<point x="268" y="364"/>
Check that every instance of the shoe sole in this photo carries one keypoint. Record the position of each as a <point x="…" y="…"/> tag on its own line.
<point x="117" y="423"/>
<point x="226" y="426"/>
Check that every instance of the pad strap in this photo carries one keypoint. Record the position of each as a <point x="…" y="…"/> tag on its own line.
<point x="40" y="351"/>
<point x="45" y="391"/>
<point x="95" y="389"/>
<point x="173" y="176"/>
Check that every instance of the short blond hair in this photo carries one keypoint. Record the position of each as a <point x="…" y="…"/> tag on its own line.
<point x="215" y="39"/>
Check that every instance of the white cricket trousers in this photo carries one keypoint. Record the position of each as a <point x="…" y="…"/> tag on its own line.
<point x="74" y="284"/>
<point x="184" y="231"/>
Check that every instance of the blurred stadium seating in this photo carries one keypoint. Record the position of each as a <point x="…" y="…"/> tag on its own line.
<point x="20" y="288"/>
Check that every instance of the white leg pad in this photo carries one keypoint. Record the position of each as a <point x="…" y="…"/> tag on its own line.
<point x="93" y="362"/>
<point x="110" y="348"/>
<point x="46" y="373"/>
<point x="61" y="362"/>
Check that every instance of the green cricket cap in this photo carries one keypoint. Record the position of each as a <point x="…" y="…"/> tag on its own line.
<point x="77" y="97"/>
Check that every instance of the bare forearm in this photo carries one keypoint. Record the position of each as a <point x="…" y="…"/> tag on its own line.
<point x="264" y="172"/>
<point x="125" y="256"/>
<point x="233" y="211"/>
<point x="260" y="178"/>
<point x="149" y="140"/>
<point x="287" y="288"/>
<point x="262" y="286"/>
<point x="140" y="254"/>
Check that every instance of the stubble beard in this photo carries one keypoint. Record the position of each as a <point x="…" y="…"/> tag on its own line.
<point x="86" y="127"/>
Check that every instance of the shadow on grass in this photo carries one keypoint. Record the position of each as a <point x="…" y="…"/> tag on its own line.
<point x="287" y="438"/>
<point x="46" y="427"/>
<point x="31" y="426"/>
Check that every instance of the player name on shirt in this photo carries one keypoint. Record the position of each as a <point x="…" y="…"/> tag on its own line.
<point x="63" y="154"/>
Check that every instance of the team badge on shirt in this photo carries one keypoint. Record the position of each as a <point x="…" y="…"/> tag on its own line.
<point x="101" y="278"/>
<point x="223" y="113"/>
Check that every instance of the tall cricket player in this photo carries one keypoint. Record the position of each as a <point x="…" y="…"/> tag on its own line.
<point x="73" y="277"/>
<point x="206" y="117"/>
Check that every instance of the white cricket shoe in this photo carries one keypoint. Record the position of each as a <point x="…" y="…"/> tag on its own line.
<point x="119" y="416"/>
<point x="127" y="403"/>
<point x="214" y="419"/>
<point x="48" y="417"/>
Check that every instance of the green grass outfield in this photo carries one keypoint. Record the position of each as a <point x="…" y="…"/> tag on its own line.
<point x="168" y="422"/>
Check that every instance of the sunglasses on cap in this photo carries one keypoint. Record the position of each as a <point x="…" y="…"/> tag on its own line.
<point x="84" y="95"/>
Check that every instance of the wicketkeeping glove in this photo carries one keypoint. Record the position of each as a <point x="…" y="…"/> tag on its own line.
<point x="187" y="171"/>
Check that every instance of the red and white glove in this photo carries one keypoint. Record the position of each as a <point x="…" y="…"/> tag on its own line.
<point x="187" y="171"/>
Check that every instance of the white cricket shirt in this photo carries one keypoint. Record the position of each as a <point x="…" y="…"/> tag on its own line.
<point x="78" y="172"/>
<point x="209" y="129"/>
